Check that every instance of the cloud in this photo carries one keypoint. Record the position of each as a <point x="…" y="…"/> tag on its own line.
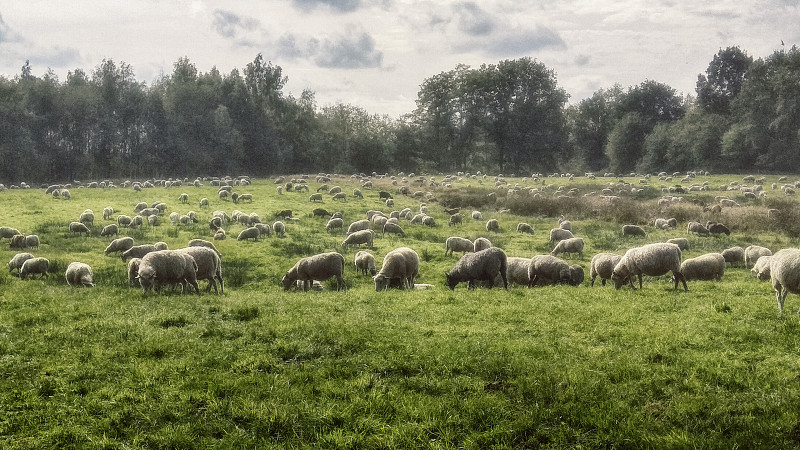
<point x="338" y="6"/>
<point x="523" y="41"/>
<point x="582" y="59"/>
<point x="356" y="50"/>
<point x="231" y="25"/>
<point x="292" y="46"/>
<point x="473" y="20"/>
<point x="56" y="57"/>
<point x="6" y="33"/>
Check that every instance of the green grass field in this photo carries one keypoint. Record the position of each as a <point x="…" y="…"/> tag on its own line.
<point x="548" y="367"/>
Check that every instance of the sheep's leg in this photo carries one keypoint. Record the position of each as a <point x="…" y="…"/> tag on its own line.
<point x="780" y="299"/>
<point x="640" y="281"/>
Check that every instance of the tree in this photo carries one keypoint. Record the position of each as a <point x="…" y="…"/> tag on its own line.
<point x="626" y="143"/>
<point x="723" y="80"/>
<point x="591" y="121"/>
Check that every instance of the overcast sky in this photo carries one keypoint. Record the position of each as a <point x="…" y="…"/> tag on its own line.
<point x="375" y="54"/>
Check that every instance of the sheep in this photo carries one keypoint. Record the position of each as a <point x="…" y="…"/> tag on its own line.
<point x="110" y="230"/>
<point x="65" y="194"/>
<point x="108" y="212"/>
<point x="717" y="228"/>
<point x="784" y="268"/>
<point x="753" y="253"/>
<point x="564" y="224"/>
<point x="125" y="221"/>
<point x="651" y="259"/>
<point x="365" y="262"/>
<point x="204" y="243"/>
<point x="339" y="196"/>
<point x="18" y="242"/>
<point x="79" y="228"/>
<point x="493" y="225"/>
<point x="523" y="227"/>
<point x="379" y="221"/>
<point x="79" y="274"/>
<point x="279" y="228"/>
<point x="603" y="266"/>
<point x="167" y="267"/>
<point x="479" y="266"/>
<point x="399" y="265"/>
<point x="633" y="230"/>
<point x="733" y="255"/>
<point x="209" y="265"/>
<point x="429" y="221"/>
<point x="184" y="198"/>
<point x="761" y="268"/>
<point x="710" y="266"/>
<point x="8" y="232"/>
<point x="137" y="251"/>
<point x="458" y="244"/>
<point x="315" y="198"/>
<point x="559" y="234"/>
<point x="357" y="193"/>
<point x="17" y="261"/>
<point x="204" y="202"/>
<point x="32" y="241"/>
<point x="220" y="235"/>
<point x="133" y="271"/>
<point x="383" y="195"/>
<point x="571" y="245"/>
<point x="548" y="268"/>
<point x="249" y="233"/>
<point x="119" y="245"/>
<point x="318" y="267"/>
<point x="333" y="224"/>
<point x="455" y="219"/>
<point x="33" y="266"/>
<point x="682" y="243"/>
<point x="394" y="228"/>
<point x="481" y="243"/>
<point x="358" y="238"/>
<point x="358" y="225"/>
<point x="697" y="228"/>
<point x="516" y="271"/>
<point x="319" y="212"/>
<point x="476" y="215"/>
<point x="284" y="214"/>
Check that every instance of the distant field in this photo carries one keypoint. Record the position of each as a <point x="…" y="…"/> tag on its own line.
<point x="546" y="367"/>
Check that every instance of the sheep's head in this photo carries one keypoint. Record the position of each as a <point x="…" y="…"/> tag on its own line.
<point x="451" y="281"/>
<point x="381" y="283"/>
<point x="619" y="277"/>
<point x="147" y="278"/>
<point x="576" y="275"/>
<point x="287" y="282"/>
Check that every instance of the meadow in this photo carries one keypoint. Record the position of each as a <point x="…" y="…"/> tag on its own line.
<point x="260" y="367"/>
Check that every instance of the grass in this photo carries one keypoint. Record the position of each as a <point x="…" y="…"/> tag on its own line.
<point x="548" y="367"/>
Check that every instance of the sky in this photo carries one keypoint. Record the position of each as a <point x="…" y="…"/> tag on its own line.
<point x="376" y="54"/>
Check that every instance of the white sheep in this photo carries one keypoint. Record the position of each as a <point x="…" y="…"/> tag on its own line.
<point x="108" y="212"/>
<point x="316" y="268"/>
<point x="458" y="244"/>
<point x="400" y="265"/>
<point x="79" y="228"/>
<point x="651" y="259"/>
<point x="206" y="244"/>
<point x="125" y="221"/>
<point x="524" y="227"/>
<point x="733" y="255"/>
<point x="481" y="243"/>
<point x="761" y="268"/>
<point x="365" y="263"/>
<point x="333" y="224"/>
<point x="161" y="246"/>
<point x="32" y="241"/>
<point x="484" y="265"/>
<point x="633" y="230"/>
<point x="682" y="243"/>
<point x="697" y="228"/>
<point x="110" y="230"/>
<point x="784" y="269"/>
<point x="184" y="198"/>
<point x="359" y="238"/>
<point x="137" y="251"/>
<point x="204" y="202"/>
<point x="17" y="261"/>
<point x="550" y="269"/>
<point x="8" y="232"/>
<point x="665" y="224"/>
<point x="476" y="215"/>
<point x="358" y="225"/>
<point x="34" y="266"/>
<point x="710" y="266"/>
<point x="753" y="253"/>
<point x="603" y="266"/>
<point x="167" y="267"/>
<point x="564" y="224"/>
<point x="559" y="234"/>
<point x="571" y="245"/>
<point x="220" y="235"/>
<point x="393" y="228"/>
<point x="209" y="264"/>
<point x="516" y="271"/>
<point x="133" y="271"/>
<point x="249" y="233"/>
<point x="429" y="221"/>
<point x="79" y="274"/>
<point x="119" y="245"/>
<point x="279" y="228"/>
<point x="493" y="225"/>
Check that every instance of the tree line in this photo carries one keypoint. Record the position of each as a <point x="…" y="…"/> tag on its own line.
<point x="509" y="117"/>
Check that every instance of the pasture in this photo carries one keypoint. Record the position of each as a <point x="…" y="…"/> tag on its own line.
<point x="543" y="367"/>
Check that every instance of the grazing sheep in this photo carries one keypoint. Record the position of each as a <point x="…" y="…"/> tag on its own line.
<point x="209" y="265"/>
<point x="358" y="225"/>
<point x="476" y="215"/>
<point x="394" y="228"/>
<point x="32" y="241"/>
<point x="493" y="225"/>
<point x="455" y="219"/>
<point x="651" y="259"/>
<point x="516" y="271"/>
<point x="733" y="255"/>
<point x="523" y="227"/>
<point x="333" y="224"/>
<point x="339" y="196"/>
<point x="79" y="274"/>
<point x="204" y="243"/>
<point x="110" y="230"/>
<point x="17" y="261"/>
<point x="220" y="235"/>
<point x="559" y="234"/>
<point x="138" y="251"/>
<point x="784" y="268"/>
<point x="383" y="195"/>
<point x="17" y="242"/>
<point x="761" y="268"/>
<point x="65" y="194"/>
<point x="108" y="212"/>
<point x="125" y="221"/>
<point x="365" y="263"/>
<point x="357" y="193"/>
<point x="458" y="244"/>
<point x="204" y="202"/>
<point x="316" y="268"/>
<point x="710" y="266"/>
<point x="697" y="228"/>
<point x="285" y="214"/>
<point x="550" y="269"/>
<point x="8" y="232"/>
<point x="319" y="212"/>
<point x="571" y="245"/>
<point x="481" y="243"/>
<point x="358" y="238"/>
<point x="400" y="265"/>
<point x="133" y="271"/>
<point x="79" y="228"/>
<point x="564" y="224"/>
<point x="167" y="267"/>
<point x="633" y="230"/>
<point x="484" y="265"/>
<point x="184" y="198"/>
<point x="33" y="266"/>
<point x="717" y="228"/>
<point x="249" y="233"/>
<point x="665" y="224"/>
<point x="429" y="221"/>
<point x="682" y="243"/>
<point x="119" y="245"/>
<point x="315" y="198"/>
<point x="379" y="221"/>
<point x="753" y="253"/>
<point x="279" y="228"/>
<point x="603" y="266"/>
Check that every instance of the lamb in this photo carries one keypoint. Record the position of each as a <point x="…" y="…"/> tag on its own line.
<point x="79" y="274"/>
<point x="697" y="228"/>
<point x="682" y="243"/>
<point x="523" y="227"/>
<point x="249" y="233"/>
<point x="484" y="265"/>
<point x="571" y="245"/>
<point x="718" y="228"/>
<point x="399" y="265"/>
<point x="33" y="266"/>
<point x="17" y="261"/>
<point x="167" y="267"/>
<point x="79" y="228"/>
<point x="784" y="268"/>
<point x="279" y="228"/>
<point x="559" y="234"/>
<point x="651" y="259"/>
<point x="753" y="253"/>
<point x="204" y="243"/>
<point x="319" y="212"/>
<point x="516" y="271"/>
<point x="476" y="215"/>
<point x="761" y="268"/>
<point x="358" y="238"/>
<point x="733" y="255"/>
<point x="481" y="243"/>
<point x="710" y="266"/>
<point x="333" y="224"/>
<point x="32" y="241"/>
<point x="108" y="212"/>
<point x="603" y="266"/>
<point x="318" y="267"/>
<point x="365" y="262"/>
<point x="133" y="271"/>
<point x="548" y="268"/>
<point x="633" y="230"/>
<point x="315" y="198"/>
<point x="209" y="265"/>
<point x="8" y="232"/>
<point x="458" y="244"/>
<point x="493" y="225"/>
<point x="138" y="251"/>
<point x="110" y="230"/>
<point x="358" y="225"/>
<point x="119" y="245"/>
<point x="391" y="227"/>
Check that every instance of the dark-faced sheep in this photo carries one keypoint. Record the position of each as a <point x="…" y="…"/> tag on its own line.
<point x="484" y="265"/>
<point x="318" y="267"/>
